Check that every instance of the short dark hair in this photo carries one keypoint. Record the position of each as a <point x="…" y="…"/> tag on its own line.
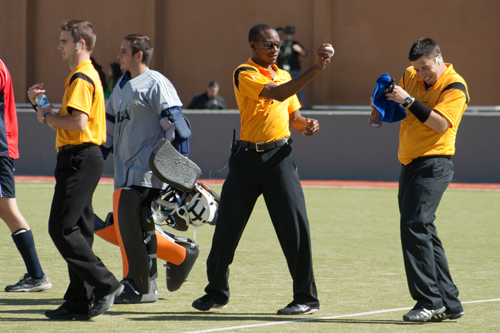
<point x="256" y="30"/>
<point x="424" y="47"/>
<point x="81" y="30"/>
<point x="141" y="43"/>
<point x="213" y="84"/>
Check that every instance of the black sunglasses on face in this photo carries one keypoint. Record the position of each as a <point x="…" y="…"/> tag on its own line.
<point x="271" y="45"/>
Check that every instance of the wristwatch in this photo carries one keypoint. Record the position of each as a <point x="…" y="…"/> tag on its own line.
<point x="408" y="101"/>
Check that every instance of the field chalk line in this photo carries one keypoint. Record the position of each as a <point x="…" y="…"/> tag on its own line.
<point x="322" y="318"/>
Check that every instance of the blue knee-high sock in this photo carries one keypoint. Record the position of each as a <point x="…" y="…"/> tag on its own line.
<point x="26" y="245"/>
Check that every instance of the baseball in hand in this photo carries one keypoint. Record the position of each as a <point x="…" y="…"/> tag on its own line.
<point x="329" y="49"/>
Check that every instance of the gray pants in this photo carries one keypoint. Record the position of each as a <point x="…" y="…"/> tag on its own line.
<point x="421" y="187"/>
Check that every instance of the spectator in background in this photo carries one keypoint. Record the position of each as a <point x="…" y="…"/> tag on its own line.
<point x="209" y="99"/>
<point x="288" y="59"/>
<point x="99" y="70"/>
<point x="114" y="74"/>
<point x="34" y="279"/>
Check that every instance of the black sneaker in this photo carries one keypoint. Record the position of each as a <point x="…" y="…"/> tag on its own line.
<point x="27" y="283"/>
<point x="206" y="302"/>
<point x="421" y="314"/>
<point x="447" y="316"/>
<point x="62" y="313"/>
<point x="297" y="309"/>
<point x="103" y="304"/>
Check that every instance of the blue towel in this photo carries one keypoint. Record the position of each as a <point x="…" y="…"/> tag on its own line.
<point x="390" y="111"/>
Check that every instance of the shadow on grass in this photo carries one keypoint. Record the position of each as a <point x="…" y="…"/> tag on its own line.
<point x="31" y="302"/>
<point x="139" y="316"/>
<point x="255" y="317"/>
<point x="379" y="322"/>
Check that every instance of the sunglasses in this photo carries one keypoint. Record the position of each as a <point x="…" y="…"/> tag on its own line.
<point x="271" y="45"/>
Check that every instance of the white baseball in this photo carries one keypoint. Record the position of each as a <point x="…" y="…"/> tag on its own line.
<point x="330" y="50"/>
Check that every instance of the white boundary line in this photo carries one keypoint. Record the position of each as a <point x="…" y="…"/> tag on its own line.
<point x="232" y="328"/>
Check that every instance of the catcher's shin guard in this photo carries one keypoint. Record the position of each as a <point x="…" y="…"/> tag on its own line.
<point x="106" y="229"/>
<point x="178" y="274"/>
<point x="167" y="248"/>
<point x="135" y="256"/>
<point x="130" y="295"/>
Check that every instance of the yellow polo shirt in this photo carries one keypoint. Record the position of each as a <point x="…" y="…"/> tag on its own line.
<point x="81" y="96"/>
<point x="262" y="119"/>
<point x="449" y="96"/>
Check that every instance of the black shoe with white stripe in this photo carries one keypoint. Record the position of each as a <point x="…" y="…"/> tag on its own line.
<point x="422" y="314"/>
<point x="447" y="315"/>
<point x="297" y="309"/>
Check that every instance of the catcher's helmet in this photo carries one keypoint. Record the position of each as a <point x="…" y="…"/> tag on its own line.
<point x="178" y="209"/>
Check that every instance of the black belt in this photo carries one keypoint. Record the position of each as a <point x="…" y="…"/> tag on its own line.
<point x="422" y="158"/>
<point x="264" y="146"/>
<point x="67" y="148"/>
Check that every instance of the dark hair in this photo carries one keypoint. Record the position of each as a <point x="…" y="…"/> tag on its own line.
<point x="116" y="70"/>
<point x="424" y="47"/>
<point x="256" y="30"/>
<point x="278" y="29"/>
<point x="213" y="84"/>
<point x="99" y="70"/>
<point x="81" y="30"/>
<point x="143" y="44"/>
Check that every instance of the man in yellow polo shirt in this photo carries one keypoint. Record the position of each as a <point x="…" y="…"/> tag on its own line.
<point x="81" y="128"/>
<point x="436" y="97"/>
<point x="262" y="162"/>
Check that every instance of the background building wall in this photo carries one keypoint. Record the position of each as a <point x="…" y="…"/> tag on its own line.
<point x="346" y="147"/>
<point x="199" y="41"/>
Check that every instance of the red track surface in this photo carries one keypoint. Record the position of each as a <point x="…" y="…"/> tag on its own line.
<point x="307" y="183"/>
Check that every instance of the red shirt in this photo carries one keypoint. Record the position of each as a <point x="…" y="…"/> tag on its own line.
<point x="8" y="115"/>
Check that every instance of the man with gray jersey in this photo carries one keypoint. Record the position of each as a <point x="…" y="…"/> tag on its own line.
<point x="143" y="109"/>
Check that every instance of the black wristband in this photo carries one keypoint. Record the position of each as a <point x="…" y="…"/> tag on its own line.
<point x="34" y="107"/>
<point x="420" y="111"/>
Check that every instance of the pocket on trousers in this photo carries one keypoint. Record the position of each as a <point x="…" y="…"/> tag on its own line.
<point x="76" y="161"/>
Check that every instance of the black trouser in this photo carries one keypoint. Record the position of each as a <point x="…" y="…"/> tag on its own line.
<point x="273" y="174"/>
<point x="421" y="187"/>
<point x="71" y="226"/>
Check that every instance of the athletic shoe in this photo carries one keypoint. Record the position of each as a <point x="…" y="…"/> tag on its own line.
<point x="62" y="313"/>
<point x="421" y="314"/>
<point x="206" y="302"/>
<point x="297" y="309"/>
<point x="103" y="304"/>
<point x="447" y="316"/>
<point x="27" y="283"/>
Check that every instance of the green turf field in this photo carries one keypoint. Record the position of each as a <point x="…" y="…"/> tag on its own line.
<point x="357" y="260"/>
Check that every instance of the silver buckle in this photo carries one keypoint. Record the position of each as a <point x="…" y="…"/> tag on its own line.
<point x="257" y="147"/>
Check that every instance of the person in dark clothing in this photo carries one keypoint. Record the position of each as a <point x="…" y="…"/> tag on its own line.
<point x="208" y="100"/>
